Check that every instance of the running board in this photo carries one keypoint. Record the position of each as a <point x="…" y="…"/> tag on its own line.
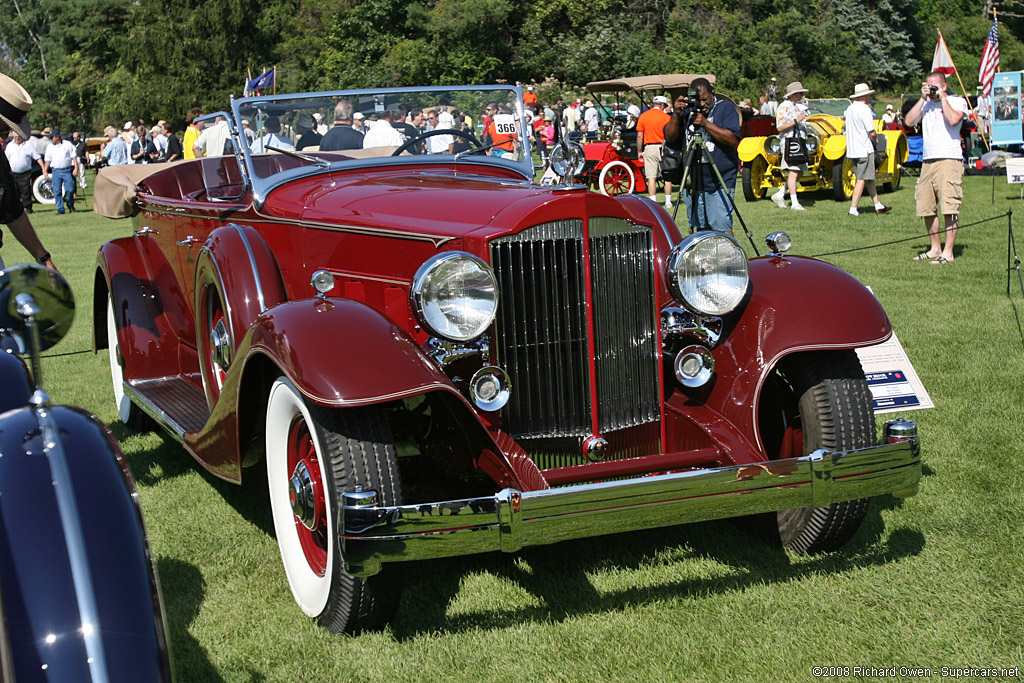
<point x="176" y="404"/>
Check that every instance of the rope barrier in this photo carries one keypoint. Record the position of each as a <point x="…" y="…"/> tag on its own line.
<point x="915" y="237"/>
<point x="69" y="353"/>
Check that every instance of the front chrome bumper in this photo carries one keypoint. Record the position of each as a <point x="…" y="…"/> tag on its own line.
<point x="511" y="519"/>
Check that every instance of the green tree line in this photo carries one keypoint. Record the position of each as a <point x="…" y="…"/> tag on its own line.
<point x="91" y="63"/>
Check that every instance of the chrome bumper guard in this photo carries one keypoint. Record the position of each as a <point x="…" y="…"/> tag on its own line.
<point x="510" y="519"/>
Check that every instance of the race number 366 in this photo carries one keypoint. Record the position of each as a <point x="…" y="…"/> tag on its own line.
<point x="505" y="124"/>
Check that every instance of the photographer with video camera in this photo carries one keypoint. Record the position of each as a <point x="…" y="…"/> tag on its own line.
<point x="709" y="128"/>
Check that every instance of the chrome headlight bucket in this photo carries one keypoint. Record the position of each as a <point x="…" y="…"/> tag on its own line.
<point x="813" y="142"/>
<point x="708" y="273"/>
<point x="773" y="145"/>
<point x="454" y="295"/>
<point x="569" y="160"/>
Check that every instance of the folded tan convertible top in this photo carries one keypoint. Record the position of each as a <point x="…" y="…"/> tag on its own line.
<point x="646" y="83"/>
<point x="116" y="186"/>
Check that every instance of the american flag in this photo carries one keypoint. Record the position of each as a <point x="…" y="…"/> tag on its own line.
<point x="989" y="60"/>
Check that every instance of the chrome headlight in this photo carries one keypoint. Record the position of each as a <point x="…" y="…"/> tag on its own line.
<point x="568" y="161"/>
<point x="708" y="273"/>
<point x="773" y="145"/>
<point x="812" y="144"/>
<point x="454" y="295"/>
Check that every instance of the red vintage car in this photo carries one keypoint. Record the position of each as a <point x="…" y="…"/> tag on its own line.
<point x="431" y="355"/>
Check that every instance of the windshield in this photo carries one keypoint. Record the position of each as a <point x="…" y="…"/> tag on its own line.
<point x="291" y="133"/>
<point x="831" y="107"/>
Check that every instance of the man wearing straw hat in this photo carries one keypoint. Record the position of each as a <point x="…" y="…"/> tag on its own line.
<point x="14" y="106"/>
<point x="860" y="147"/>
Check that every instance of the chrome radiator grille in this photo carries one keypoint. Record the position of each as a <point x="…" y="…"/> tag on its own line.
<point x="541" y="338"/>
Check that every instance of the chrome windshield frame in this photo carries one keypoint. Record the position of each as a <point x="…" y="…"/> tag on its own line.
<point x="262" y="186"/>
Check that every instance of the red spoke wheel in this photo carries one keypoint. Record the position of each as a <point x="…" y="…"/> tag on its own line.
<point x="616" y="178"/>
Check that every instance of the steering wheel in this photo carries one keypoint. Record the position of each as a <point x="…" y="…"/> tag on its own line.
<point x="431" y="133"/>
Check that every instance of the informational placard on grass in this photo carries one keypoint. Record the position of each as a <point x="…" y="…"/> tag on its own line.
<point x="894" y="384"/>
<point x="1015" y="170"/>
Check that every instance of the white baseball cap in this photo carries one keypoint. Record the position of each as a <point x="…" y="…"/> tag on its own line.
<point x="358" y="115"/>
<point x="661" y="99"/>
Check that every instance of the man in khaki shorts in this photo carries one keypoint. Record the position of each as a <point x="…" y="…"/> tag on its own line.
<point x="650" y="135"/>
<point x="940" y="188"/>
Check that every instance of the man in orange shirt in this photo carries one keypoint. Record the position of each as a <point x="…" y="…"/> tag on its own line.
<point x="529" y="97"/>
<point x="650" y="134"/>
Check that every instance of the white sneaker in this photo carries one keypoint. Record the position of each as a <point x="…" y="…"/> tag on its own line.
<point x="668" y="204"/>
<point x="854" y="212"/>
<point x="780" y="199"/>
<point x="797" y="207"/>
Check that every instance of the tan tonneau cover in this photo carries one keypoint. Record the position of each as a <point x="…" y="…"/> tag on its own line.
<point x="646" y="83"/>
<point x="114" y="196"/>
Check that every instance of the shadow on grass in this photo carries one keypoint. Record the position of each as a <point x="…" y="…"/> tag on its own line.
<point x="181" y="606"/>
<point x="163" y="462"/>
<point x="558" y="576"/>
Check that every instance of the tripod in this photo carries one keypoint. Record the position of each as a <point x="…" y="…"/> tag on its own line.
<point x="696" y="153"/>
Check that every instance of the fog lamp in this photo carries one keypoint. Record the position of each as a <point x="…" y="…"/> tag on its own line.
<point x="323" y="282"/>
<point x="490" y="388"/>
<point x="694" y="366"/>
<point x="778" y="242"/>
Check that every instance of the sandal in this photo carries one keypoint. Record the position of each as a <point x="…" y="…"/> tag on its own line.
<point x="925" y="256"/>
<point x="940" y="261"/>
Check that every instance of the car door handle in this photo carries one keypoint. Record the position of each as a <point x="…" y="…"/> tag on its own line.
<point x="188" y="241"/>
<point x="146" y="231"/>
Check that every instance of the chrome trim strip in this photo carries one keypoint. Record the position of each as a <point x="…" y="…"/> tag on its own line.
<point x="436" y="240"/>
<point x="159" y="416"/>
<point x="511" y="519"/>
<point x="661" y="221"/>
<point x="74" y="536"/>
<point x="252" y="264"/>
<point x="360" y="276"/>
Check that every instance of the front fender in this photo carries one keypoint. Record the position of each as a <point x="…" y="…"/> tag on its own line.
<point x="342" y="352"/>
<point x="750" y="148"/>
<point x="72" y="540"/>
<point x="834" y="147"/>
<point x="336" y="352"/>
<point x="795" y="304"/>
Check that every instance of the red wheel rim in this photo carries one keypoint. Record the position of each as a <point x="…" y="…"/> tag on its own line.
<point x="616" y="181"/>
<point x="313" y="541"/>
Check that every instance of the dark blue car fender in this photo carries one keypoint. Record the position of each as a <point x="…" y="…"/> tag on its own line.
<point x="80" y="597"/>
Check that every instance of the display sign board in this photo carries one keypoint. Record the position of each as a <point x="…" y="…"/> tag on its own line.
<point x="1015" y="170"/>
<point x="1006" y="109"/>
<point x="894" y="384"/>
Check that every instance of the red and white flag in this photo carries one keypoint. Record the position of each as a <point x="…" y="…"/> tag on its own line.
<point x="941" y="61"/>
<point x="989" y="60"/>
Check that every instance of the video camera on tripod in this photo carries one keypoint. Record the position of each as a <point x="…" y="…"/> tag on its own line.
<point x="693" y="106"/>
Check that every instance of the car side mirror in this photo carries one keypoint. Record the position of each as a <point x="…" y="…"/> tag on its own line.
<point x="36" y="311"/>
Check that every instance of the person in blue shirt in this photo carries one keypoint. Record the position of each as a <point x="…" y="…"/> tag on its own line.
<point x="717" y="122"/>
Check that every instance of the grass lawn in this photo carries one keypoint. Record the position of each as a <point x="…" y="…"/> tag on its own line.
<point x="936" y="580"/>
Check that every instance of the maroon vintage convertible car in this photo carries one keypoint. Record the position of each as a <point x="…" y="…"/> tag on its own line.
<point x="434" y="356"/>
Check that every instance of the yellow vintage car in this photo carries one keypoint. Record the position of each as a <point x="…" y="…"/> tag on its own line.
<point x="829" y="167"/>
